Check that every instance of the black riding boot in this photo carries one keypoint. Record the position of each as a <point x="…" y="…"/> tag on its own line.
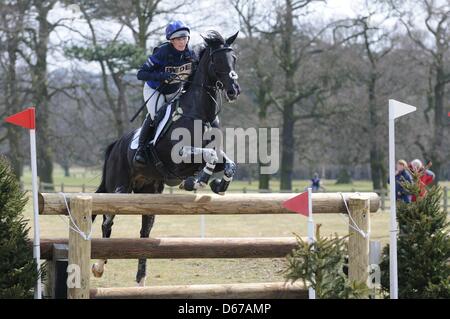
<point x="140" y="157"/>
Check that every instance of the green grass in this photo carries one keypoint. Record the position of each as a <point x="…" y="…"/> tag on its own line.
<point x="201" y="271"/>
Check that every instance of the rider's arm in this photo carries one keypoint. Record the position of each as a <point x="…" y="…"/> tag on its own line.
<point x="153" y="69"/>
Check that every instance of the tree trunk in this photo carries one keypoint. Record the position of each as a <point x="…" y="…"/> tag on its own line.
<point x="41" y="97"/>
<point x="15" y="155"/>
<point x="66" y="168"/>
<point x="377" y="165"/>
<point x="264" y="179"/>
<point x="288" y="146"/>
<point x="121" y="115"/>
<point x="287" y="135"/>
<point x="14" y="133"/>
<point x="435" y="153"/>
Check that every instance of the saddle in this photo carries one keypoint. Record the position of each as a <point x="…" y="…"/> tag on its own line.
<point x="159" y="130"/>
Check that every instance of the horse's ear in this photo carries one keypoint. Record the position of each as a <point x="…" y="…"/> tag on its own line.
<point x="231" y="39"/>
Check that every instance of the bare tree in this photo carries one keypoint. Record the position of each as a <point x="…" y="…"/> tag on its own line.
<point x="12" y="18"/>
<point x="374" y="42"/>
<point x="35" y="53"/>
<point x="431" y="35"/>
<point x="301" y="97"/>
<point x="251" y="18"/>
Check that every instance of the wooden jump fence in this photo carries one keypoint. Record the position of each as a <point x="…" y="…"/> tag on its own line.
<point x="78" y="251"/>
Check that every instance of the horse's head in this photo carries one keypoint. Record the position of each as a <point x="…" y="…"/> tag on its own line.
<point x="222" y="63"/>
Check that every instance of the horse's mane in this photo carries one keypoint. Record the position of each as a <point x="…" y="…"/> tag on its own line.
<point x="212" y="39"/>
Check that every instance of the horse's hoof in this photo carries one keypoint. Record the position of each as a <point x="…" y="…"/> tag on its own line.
<point x="189" y="183"/>
<point x="141" y="283"/>
<point x="96" y="272"/>
<point x="215" y="186"/>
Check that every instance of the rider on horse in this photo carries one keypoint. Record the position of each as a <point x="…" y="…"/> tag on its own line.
<point x="162" y="72"/>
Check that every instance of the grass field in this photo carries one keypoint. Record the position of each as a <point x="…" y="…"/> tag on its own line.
<point x="198" y="271"/>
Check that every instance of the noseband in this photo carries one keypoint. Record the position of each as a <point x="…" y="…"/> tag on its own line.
<point x="232" y="74"/>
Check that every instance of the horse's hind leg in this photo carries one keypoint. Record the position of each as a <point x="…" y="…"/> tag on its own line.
<point x="99" y="267"/>
<point x="108" y="221"/>
<point x="147" y="224"/>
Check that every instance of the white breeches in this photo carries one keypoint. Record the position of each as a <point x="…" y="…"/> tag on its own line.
<point x="156" y="101"/>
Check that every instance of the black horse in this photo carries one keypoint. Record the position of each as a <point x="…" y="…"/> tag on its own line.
<point x="215" y="73"/>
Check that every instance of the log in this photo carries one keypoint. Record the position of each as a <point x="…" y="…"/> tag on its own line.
<point x="277" y="290"/>
<point x="197" y="204"/>
<point x="177" y="248"/>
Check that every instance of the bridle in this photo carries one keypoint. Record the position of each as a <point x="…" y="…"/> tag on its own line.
<point x="219" y="84"/>
<point x="232" y="74"/>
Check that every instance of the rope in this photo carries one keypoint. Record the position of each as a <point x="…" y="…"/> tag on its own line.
<point x="76" y="229"/>
<point x="355" y="227"/>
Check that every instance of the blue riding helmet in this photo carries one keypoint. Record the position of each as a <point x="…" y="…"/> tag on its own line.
<point x="176" y="29"/>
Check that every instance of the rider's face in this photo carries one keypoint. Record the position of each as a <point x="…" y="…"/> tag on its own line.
<point x="179" y="43"/>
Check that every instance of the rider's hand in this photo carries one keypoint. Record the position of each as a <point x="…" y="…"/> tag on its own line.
<point x="168" y="77"/>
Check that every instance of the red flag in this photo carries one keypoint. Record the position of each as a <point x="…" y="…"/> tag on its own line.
<point x="25" y="119"/>
<point x="298" y="204"/>
<point x="448" y="114"/>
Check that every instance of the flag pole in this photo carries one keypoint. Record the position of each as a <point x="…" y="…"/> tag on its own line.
<point x="393" y="232"/>
<point x="36" y="243"/>
<point x="396" y="110"/>
<point x="27" y="119"/>
<point x="311" y="291"/>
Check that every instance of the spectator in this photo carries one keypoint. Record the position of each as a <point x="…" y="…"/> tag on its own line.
<point x="426" y="177"/>
<point x="402" y="175"/>
<point x="315" y="183"/>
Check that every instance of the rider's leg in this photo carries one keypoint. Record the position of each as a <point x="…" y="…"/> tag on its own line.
<point x="156" y="100"/>
<point x="147" y="128"/>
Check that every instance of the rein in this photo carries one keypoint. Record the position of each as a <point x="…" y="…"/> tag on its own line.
<point x="217" y="88"/>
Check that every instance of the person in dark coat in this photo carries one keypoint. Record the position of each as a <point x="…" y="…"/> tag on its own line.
<point x="402" y="175"/>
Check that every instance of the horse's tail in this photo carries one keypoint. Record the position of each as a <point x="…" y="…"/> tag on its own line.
<point x="102" y="187"/>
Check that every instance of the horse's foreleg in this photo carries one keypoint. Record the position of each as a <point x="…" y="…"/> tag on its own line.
<point x="209" y="156"/>
<point x="219" y="186"/>
<point x="147" y="224"/>
<point x="98" y="268"/>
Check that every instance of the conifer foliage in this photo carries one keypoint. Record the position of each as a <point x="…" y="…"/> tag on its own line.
<point x="423" y="246"/>
<point x="320" y="265"/>
<point x="18" y="269"/>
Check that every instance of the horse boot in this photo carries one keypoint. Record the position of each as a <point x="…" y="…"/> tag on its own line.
<point x="140" y="158"/>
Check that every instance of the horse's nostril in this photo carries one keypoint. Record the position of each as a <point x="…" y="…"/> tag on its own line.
<point x="237" y="88"/>
<point x="231" y="93"/>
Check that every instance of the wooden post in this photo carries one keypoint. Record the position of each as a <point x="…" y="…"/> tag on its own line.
<point x="79" y="249"/>
<point x="62" y="187"/>
<point x="358" y="245"/>
<point x="83" y="188"/>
